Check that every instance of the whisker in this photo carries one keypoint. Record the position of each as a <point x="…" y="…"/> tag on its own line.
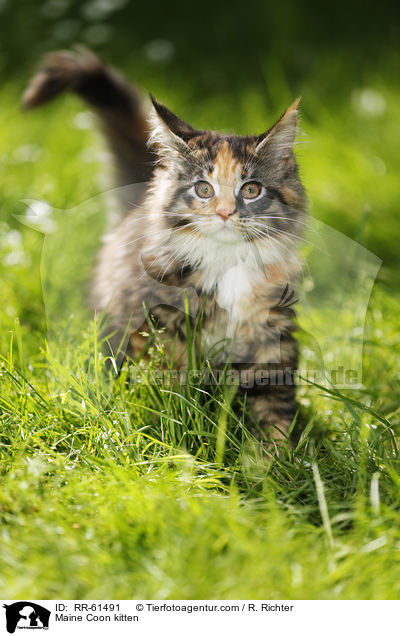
<point x="177" y="255"/>
<point x="275" y="251"/>
<point x="289" y="234"/>
<point x="168" y="230"/>
<point x="262" y="235"/>
<point x="142" y="236"/>
<point x="283" y="218"/>
<point x="192" y="232"/>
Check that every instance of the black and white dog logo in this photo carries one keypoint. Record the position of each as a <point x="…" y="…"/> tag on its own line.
<point x="26" y="615"/>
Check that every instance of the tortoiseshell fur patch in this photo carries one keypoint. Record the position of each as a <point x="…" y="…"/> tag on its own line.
<point x="219" y="214"/>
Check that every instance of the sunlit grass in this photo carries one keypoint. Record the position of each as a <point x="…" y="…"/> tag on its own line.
<point x="114" y="489"/>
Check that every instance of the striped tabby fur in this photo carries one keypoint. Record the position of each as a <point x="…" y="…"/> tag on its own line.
<point x="218" y="213"/>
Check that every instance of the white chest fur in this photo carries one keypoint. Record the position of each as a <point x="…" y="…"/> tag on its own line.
<point x="231" y="271"/>
<point x="234" y="288"/>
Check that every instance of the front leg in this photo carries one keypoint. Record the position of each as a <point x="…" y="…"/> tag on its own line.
<point x="274" y="409"/>
<point x="271" y="391"/>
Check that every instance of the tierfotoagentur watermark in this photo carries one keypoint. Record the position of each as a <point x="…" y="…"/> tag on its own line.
<point x="330" y="298"/>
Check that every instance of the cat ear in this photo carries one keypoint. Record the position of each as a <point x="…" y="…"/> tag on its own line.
<point x="169" y="132"/>
<point x="278" y="141"/>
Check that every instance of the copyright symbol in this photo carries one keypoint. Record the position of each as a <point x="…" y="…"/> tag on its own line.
<point x="139" y="607"/>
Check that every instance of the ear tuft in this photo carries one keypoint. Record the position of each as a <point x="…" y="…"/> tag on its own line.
<point x="169" y="134"/>
<point x="176" y="125"/>
<point x="281" y="137"/>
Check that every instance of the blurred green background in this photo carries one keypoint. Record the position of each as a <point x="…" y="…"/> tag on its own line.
<point x="214" y="47"/>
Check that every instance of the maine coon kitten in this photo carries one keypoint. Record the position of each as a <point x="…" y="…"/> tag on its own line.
<point x="220" y="214"/>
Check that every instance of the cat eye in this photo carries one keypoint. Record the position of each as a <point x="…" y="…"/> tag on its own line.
<point x="251" y="190"/>
<point x="204" y="190"/>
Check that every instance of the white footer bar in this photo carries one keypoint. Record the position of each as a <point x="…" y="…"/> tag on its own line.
<point x="182" y="617"/>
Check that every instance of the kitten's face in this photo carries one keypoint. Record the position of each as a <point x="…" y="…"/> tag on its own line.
<point x="232" y="189"/>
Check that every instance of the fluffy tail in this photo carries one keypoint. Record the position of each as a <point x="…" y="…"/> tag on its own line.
<point x="118" y="105"/>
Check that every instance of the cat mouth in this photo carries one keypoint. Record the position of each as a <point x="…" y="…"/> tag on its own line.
<point x="222" y="231"/>
<point x="225" y="232"/>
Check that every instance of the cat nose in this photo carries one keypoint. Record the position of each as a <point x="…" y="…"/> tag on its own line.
<point x="225" y="213"/>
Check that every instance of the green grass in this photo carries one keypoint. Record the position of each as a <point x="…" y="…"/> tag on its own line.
<point x="120" y="490"/>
